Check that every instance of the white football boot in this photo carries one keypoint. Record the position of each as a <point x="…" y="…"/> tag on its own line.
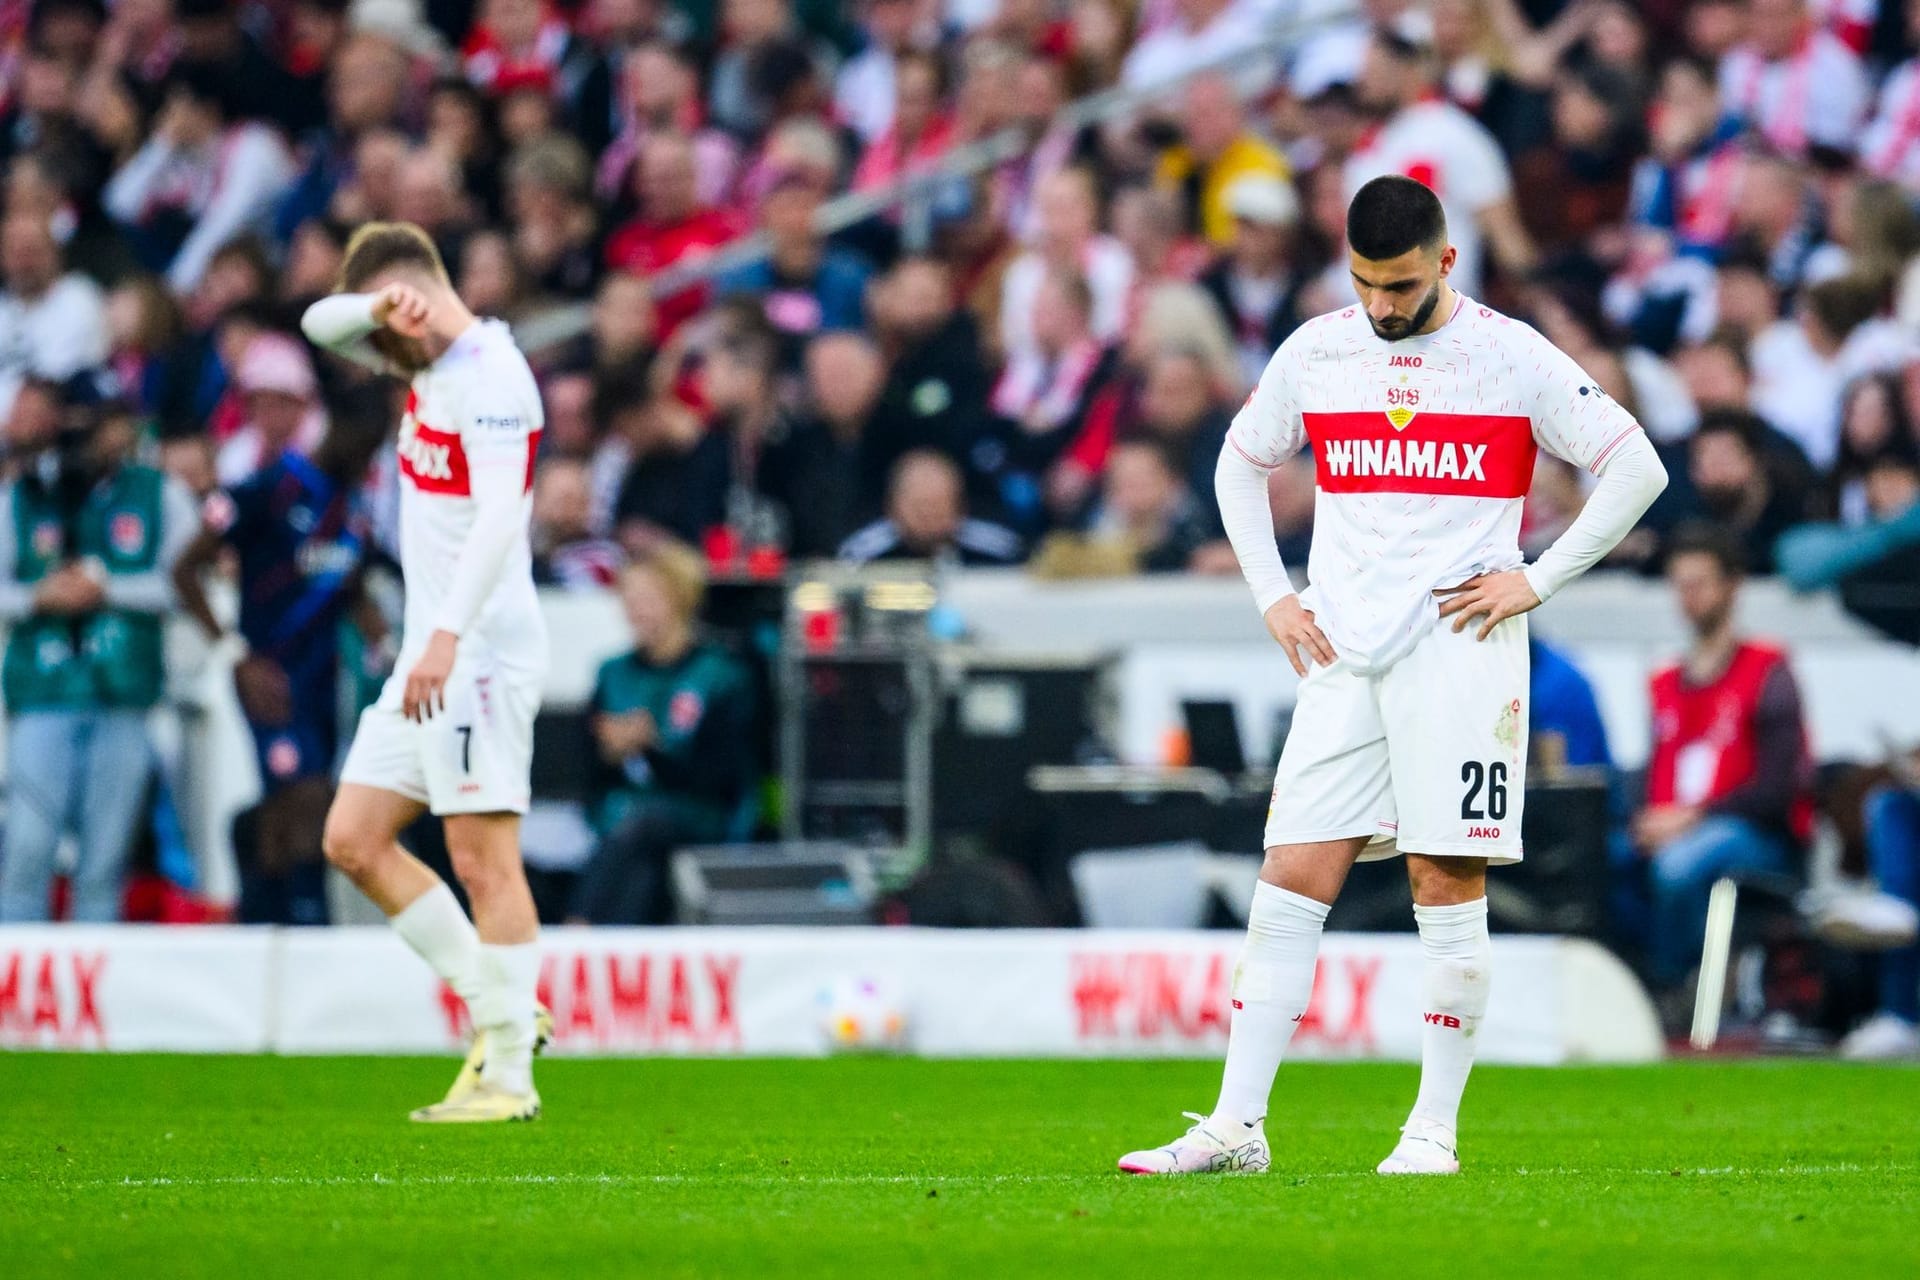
<point x="1882" y="1038"/>
<point x="1204" y="1149"/>
<point x="1424" y="1148"/>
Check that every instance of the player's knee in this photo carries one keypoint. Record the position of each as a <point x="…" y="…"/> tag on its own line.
<point x="480" y="872"/>
<point x="353" y="849"/>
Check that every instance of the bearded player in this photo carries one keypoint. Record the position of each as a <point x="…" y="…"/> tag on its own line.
<point x="1424" y="411"/>
<point x="452" y="731"/>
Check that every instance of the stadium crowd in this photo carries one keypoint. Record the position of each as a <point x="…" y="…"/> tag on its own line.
<point x="1709" y="203"/>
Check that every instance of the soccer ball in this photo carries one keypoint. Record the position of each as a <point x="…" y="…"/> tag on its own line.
<point x="862" y="1015"/>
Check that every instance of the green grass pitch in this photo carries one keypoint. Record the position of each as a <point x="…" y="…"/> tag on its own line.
<point x="264" y="1167"/>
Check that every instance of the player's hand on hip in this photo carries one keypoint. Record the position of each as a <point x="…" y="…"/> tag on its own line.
<point x="1291" y="623"/>
<point x="426" y="690"/>
<point x="1492" y="596"/>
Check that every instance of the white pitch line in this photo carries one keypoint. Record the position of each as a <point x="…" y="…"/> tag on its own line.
<point x="888" y="1179"/>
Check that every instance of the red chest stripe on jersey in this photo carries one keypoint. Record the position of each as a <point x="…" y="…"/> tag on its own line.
<point x="1473" y="455"/>
<point x="436" y="462"/>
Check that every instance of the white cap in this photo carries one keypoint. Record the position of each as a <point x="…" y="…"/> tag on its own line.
<point x="1263" y="199"/>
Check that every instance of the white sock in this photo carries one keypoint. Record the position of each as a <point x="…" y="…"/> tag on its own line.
<point x="1459" y="977"/>
<point x="1271" y="987"/>
<point x="510" y="981"/>
<point x="438" y="930"/>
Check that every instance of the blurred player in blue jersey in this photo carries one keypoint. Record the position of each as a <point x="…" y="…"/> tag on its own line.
<point x="301" y="534"/>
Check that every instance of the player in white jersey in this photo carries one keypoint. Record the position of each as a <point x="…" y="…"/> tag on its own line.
<point x="1424" y="411"/>
<point x="452" y="731"/>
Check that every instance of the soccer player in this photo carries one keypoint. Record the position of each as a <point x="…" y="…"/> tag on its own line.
<point x="452" y="731"/>
<point x="1424" y="410"/>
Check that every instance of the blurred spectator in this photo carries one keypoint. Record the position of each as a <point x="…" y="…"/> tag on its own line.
<point x="737" y="384"/>
<point x="283" y="411"/>
<point x="1891" y="816"/>
<point x="88" y="539"/>
<point x="1874" y="566"/>
<point x="1802" y="365"/>
<point x="1069" y="239"/>
<point x="918" y="133"/>
<point x="1728" y="774"/>
<point x="1433" y="141"/>
<point x="1890" y="147"/>
<point x="58" y="189"/>
<point x="556" y="231"/>
<point x="805" y="284"/>
<point x="865" y="90"/>
<point x="1873" y="424"/>
<point x="1565" y="730"/>
<point x="214" y="47"/>
<point x="53" y="322"/>
<point x="674" y="472"/>
<point x="1257" y="284"/>
<point x="565" y="551"/>
<point x="1218" y="150"/>
<point x="1148" y="520"/>
<point x="936" y="390"/>
<point x="1792" y="83"/>
<point x="662" y="97"/>
<point x="746" y="84"/>
<point x="1182" y="407"/>
<point x="927" y="520"/>
<point x="526" y="47"/>
<point x="672" y="722"/>
<point x="1196" y="34"/>
<point x="1730" y="474"/>
<point x="827" y="458"/>
<point x="366" y="87"/>
<point x="1151" y="223"/>
<point x="203" y="178"/>
<point x="1578" y="182"/>
<point x="673" y="223"/>
<point x="301" y="532"/>
<point x="1043" y="395"/>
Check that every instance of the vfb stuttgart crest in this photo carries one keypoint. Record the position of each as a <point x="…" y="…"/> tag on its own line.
<point x="1403" y="401"/>
<point x="127" y="533"/>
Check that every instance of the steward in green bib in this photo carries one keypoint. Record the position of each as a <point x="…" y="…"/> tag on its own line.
<point x="673" y="722"/>
<point x="87" y="541"/>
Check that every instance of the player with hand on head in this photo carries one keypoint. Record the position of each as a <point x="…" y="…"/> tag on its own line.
<point x="452" y="731"/>
<point x="1424" y="410"/>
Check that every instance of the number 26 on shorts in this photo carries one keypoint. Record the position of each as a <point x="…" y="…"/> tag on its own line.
<point x="1490" y="778"/>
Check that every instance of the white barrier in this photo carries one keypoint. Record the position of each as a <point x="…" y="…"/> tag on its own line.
<point x="1039" y="993"/>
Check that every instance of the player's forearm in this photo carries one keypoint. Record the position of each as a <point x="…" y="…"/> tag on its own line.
<point x="498" y="517"/>
<point x="1630" y="479"/>
<point x="342" y="324"/>
<point x="1241" y="488"/>
<point x="339" y="320"/>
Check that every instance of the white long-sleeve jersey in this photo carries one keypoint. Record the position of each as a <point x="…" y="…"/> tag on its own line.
<point x="1423" y="453"/>
<point x="466" y="452"/>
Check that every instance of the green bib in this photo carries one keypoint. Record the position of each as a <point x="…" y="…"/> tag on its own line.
<point x="109" y="658"/>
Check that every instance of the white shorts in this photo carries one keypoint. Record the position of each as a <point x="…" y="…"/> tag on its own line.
<point x="474" y="757"/>
<point x="1429" y="756"/>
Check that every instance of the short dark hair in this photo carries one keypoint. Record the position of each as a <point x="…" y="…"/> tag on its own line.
<point x="1750" y="428"/>
<point x="1392" y="215"/>
<point x="1699" y="537"/>
<point x="380" y="246"/>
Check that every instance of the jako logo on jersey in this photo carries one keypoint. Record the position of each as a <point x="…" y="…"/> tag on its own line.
<point x="1456" y="454"/>
<point x="1403" y="362"/>
<point x="1483" y="833"/>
